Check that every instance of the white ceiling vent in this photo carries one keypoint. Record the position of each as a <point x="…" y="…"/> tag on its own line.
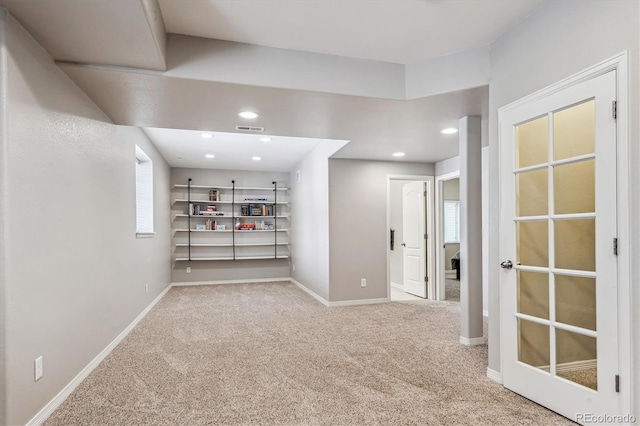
<point x="250" y="129"/>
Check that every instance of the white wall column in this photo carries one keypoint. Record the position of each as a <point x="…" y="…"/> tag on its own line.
<point x="470" y="144"/>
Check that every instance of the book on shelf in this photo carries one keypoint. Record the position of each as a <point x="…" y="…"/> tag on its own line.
<point x="208" y="225"/>
<point x="214" y="195"/>
<point x="256" y="210"/>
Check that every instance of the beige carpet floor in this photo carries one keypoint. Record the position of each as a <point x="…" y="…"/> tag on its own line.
<point x="270" y="354"/>
<point x="452" y="290"/>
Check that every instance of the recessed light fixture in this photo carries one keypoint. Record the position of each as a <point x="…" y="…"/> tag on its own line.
<point x="398" y="154"/>
<point x="449" y="131"/>
<point x="210" y="156"/>
<point x="249" y="115"/>
<point x="206" y="135"/>
<point x="256" y="158"/>
<point x="265" y="139"/>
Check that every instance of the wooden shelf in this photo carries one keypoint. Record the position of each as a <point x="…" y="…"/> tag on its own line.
<point x="231" y="245"/>
<point x="226" y="216"/>
<point x="180" y="200"/>
<point x="229" y="230"/>
<point x="238" y="188"/>
<point x="181" y="259"/>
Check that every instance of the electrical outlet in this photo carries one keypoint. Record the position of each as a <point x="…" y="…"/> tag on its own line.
<point x="146" y="288"/>
<point x="363" y="282"/>
<point x="188" y="269"/>
<point x="38" y="368"/>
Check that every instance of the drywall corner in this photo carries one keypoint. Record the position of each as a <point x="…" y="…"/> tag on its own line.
<point x="310" y="219"/>
<point x="3" y="263"/>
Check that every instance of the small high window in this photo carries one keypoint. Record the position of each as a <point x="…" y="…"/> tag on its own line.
<point x="452" y="221"/>
<point x="144" y="193"/>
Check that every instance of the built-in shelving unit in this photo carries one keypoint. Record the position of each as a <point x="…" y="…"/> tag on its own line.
<point x="228" y="223"/>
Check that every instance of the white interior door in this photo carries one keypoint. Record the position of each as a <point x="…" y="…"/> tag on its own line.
<point x="414" y="251"/>
<point x="558" y="288"/>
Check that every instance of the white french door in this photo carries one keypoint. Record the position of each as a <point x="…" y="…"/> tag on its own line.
<point x="559" y="285"/>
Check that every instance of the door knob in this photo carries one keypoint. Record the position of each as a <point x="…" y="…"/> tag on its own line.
<point x="403" y="245"/>
<point x="506" y="264"/>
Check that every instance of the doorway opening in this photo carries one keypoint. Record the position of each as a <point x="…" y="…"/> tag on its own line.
<point x="448" y="237"/>
<point x="410" y="222"/>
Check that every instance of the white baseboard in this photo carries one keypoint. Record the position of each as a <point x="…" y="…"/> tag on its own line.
<point x="396" y="285"/>
<point x="360" y="302"/>
<point x="485" y="314"/>
<point x="567" y="367"/>
<point x="449" y="271"/>
<point x="48" y="409"/>
<point x="494" y="375"/>
<point x="339" y="302"/>
<point x="311" y="292"/>
<point x="220" y="282"/>
<point x="472" y="342"/>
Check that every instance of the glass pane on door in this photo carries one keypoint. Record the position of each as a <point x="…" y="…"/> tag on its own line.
<point x="532" y="142"/>
<point x="574" y="187"/>
<point x="533" y="243"/>
<point x="576" y="357"/>
<point x="575" y="244"/>
<point x="574" y="131"/>
<point x="533" y="345"/>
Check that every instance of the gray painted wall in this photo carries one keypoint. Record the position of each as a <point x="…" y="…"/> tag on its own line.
<point x="224" y="270"/>
<point x="396" y="222"/>
<point x="74" y="271"/>
<point x="310" y="219"/>
<point x="358" y="226"/>
<point x="448" y="73"/>
<point x="547" y="36"/>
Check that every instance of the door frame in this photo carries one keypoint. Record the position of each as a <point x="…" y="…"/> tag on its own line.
<point x="429" y="180"/>
<point x="627" y="350"/>
<point x="440" y="257"/>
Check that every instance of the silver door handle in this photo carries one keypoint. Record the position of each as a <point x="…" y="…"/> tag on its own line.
<point x="506" y="264"/>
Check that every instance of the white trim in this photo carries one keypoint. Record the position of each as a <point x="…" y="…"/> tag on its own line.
<point x="430" y="230"/>
<point x="145" y="234"/>
<point x="485" y="313"/>
<point x="615" y="62"/>
<point x="475" y="341"/>
<point x="567" y="367"/>
<point x="628" y="300"/>
<point x="48" y="409"/>
<point x="396" y="285"/>
<point x="310" y="292"/>
<point x="494" y="375"/>
<point x="357" y="302"/>
<point x="221" y="282"/>
<point x="441" y="261"/>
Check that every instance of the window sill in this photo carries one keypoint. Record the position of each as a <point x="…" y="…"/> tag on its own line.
<point x="145" y="234"/>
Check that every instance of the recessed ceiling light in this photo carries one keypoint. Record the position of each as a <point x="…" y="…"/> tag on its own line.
<point x="248" y="114"/>
<point x="206" y="135"/>
<point x="210" y="156"/>
<point x="256" y="158"/>
<point x="449" y="131"/>
<point x="265" y="139"/>
<point x="398" y="154"/>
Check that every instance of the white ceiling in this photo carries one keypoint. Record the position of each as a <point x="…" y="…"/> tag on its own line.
<point x="130" y="34"/>
<point x="232" y="151"/>
<point x="125" y="33"/>
<point x="375" y="127"/>
<point x="398" y="31"/>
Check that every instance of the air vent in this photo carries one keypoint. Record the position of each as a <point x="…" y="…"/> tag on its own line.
<point x="250" y="129"/>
